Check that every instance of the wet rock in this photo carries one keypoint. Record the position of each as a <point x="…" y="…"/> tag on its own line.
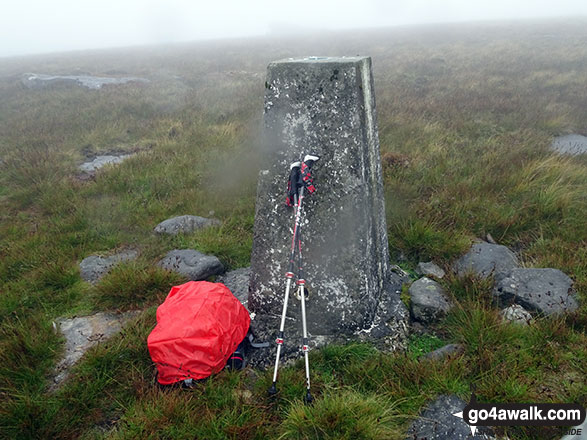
<point x="192" y="264"/>
<point x="82" y="333"/>
<point x="486" y="259"/>
<point x="98" y="162"/>
<point x="184" y="224"/>
<point x="450" y="350"/>
<point x="41" y="81"/>
<point x="516" y="314"/>
<point x="94" y="267"/>
<point x="548" y="291"/>
<point x="428" y="300"/>
<point x="572" y="144"/>
<point x="325" y="106"/>
<point x="437" y="422"/>
<point x="238" y="282"/>
<point x="430" y="270"/>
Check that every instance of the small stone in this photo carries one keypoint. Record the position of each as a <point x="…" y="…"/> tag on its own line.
<point x="450" y="350"/>
<point x="516" y="314"/>
<point x="237" y="282"/>
<point x="489" y="238"/>
<point x="486" y="259"/>
<point x="430" y="269"/>
<point x="94" y="267"/>
<point x="548" y="291"/>
<point x="192" y="264"/>
<point x="428" y="300"/>
<point x="437" y="422"/>
<point x="184" y="224"/>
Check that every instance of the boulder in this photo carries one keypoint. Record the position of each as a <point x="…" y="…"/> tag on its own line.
<point x="547" y="291"/>
<point x="237" y="282"/>
<point x="184" y="224"/>
<point x="192" y="264"/>
<point x="437" y="422"/>
<point x="428" y="300"/>
<point x="486" y="259"/>
<point x="430" y="270"/>
<point x="94" y="267"/>
<point x="325" y="106"/>
<point x="516" y="314"/>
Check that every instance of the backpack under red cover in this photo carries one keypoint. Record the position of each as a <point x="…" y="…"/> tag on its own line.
<point x="199" y="325"/>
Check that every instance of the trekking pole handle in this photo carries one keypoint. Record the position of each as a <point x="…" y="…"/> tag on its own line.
<point x="306" y="176"/>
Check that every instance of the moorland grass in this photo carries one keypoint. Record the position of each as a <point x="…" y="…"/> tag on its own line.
<point x="465" y="119"/>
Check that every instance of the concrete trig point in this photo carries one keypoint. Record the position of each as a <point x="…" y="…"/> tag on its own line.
<point x="326" y="106"/>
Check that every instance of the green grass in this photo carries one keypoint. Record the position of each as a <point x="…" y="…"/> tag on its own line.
<point x="465" y="120"/>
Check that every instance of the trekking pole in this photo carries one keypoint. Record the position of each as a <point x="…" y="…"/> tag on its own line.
<point x="299" y="179"/>
<point x="293" y="182"/>
<point x="302" y="297"/>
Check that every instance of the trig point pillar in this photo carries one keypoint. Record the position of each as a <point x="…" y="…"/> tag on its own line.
<point x="325" y="106"/>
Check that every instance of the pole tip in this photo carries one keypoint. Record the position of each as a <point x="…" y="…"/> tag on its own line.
<point x="273" y="390"/>
<point x="308" y="399"/>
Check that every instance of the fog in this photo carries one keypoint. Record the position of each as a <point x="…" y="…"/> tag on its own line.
<point x="39" y="26"/>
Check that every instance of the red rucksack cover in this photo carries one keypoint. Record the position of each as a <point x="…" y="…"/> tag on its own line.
<point x="199" y="325"/>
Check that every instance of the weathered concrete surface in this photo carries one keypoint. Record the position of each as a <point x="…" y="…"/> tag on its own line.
<point x="82" y="333"/>
<point x="39" y="80"/>
<point x="325" y="106"/>
<point x="94" y="267"/>
<point x="572" y="144"/>
<point x="184" y="224"/>
<point x="192" y="264"/>
<point x="548" y="291"/>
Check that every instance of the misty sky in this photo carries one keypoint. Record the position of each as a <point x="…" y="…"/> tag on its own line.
<point x="36" y="26"/>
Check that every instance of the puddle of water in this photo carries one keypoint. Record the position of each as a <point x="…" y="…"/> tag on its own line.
<point x="573" y="144"/>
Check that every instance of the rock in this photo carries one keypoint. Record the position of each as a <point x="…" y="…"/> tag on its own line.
<point x="40" y="81"/>
<point x="571" y="144"/>
<point x="428" y="300"/>
<point x="450" y="350"/>
<point x="192" y="264"/>
<point x="184" y="224"/>
<point x="325" y="106"/>
<point x="238" y="282"/>
<point x="98" y="162"/>
<point x="437" y="422"/>
<point x="516" y="314"/>
<point x="94" y="267"/>
<point x="430" y="269"/>
<point x="548" y="291"/>
<point x="486" y="259"/>
<point x="82" y="333"/>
